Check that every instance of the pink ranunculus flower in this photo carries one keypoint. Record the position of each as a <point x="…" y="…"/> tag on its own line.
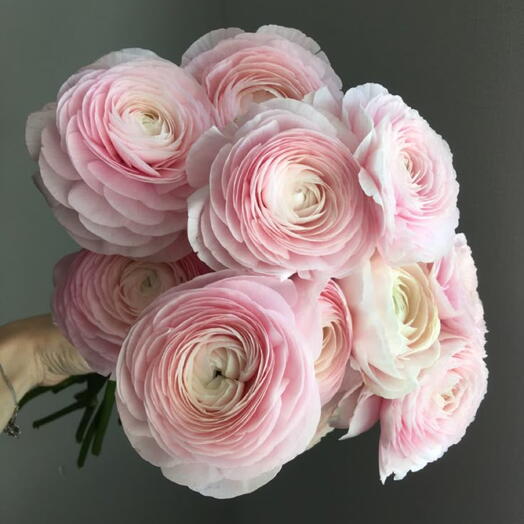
<point x="237" y="68"/>
<point x="278" y="193"/>
<point x="335" y="319"/>
<point x="407" y="168"/>
<point x="395" y="325"/>
<point x="420" y="427"/>
<point x="216" y="381"/>
<point x="330" y="365"/>
<point x="455" y="287"/>
<point x="98" y="298"/>
<point x="112" y="153"/>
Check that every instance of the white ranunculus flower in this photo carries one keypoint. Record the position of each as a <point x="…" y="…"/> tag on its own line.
<point x="396" y="325"/>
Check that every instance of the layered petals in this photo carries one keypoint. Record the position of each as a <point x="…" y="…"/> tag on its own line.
<point x="337" y="333"/>
<point x="112" y="153"/>
<point x="454" y="279"/>
<point x="216" y="381"/>
<point x="237" y="68"/>
<point x="396" y="325"/>
<point x="406" y="167"/>
<point x="98" y="298"/>
<point x="420" y="427"/>
<point x="278" y="193"/>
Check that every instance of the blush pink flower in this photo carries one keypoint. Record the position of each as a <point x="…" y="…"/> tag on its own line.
<point x="112" y="153"/>
<point x="420" y="427"/>
<point x="407" y="168"/>
<point x="278" y="193"/>
<point x="396" y="325"/>
<point x="216" y="381"/>
<point x="330" y="365"/>
<point x="347" y="403"/>
<point x="335" y="319"/>
<point x="237" y="68"/>
<point x="98" y="298"/>
<point x="455" y="287"/>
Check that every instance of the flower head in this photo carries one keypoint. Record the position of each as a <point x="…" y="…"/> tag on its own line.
<point x="112" y="153"/>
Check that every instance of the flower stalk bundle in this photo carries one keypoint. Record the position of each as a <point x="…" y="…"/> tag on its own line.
<point x="265" y="258"/>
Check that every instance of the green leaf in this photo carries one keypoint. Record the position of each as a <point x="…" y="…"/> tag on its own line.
<point x="94" y="422"/>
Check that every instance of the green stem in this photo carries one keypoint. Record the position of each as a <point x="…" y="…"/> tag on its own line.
<point x="84" y="448"/>
<point x="105" y="411"/>
<point x="33" y="394"/>
<point x="65" y="411"/>
<point x="84" y="422"/>
<point x="40" y="390"/>
<point x="76" y="379"/>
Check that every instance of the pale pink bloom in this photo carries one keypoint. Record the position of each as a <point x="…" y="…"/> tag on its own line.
<point x="395" y="325"/>
<point x="237" y="68"/>
<point x="98" y="298"/>
<point x="330" y="366"/>
<point x="407" y="168"/>
<point x="335" y="319"/>
<point x="420" y="427"/>
<point x="346" y="401"/>
<point x="455" y="287"/>
<point x="278" y="193"/>
<point x="112" y="153"/>
<point x="216" y="381"/>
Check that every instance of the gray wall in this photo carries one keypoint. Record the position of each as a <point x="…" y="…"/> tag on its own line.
<point x="460" y="64"/>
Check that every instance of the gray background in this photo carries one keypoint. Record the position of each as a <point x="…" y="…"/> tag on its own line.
<point x="460" y="63"/>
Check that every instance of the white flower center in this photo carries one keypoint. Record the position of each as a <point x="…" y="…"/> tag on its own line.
<point x="217" y="372"/>
<point x="449" y="398"/>
<point x="415" y="308"/>
<point x="299" y="195"/>
<point x="151" y="123"/>
<point x="144" y="118"/>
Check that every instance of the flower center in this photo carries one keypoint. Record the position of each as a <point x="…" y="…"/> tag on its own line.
<point x="140" y="284"/>
<point x="150" y="283"/>
<point x="262" y="95"/>
<point x="299" y="195"/>
<point x="216" y="377"/>
<point x="257" y="96"/>
<point x="143" y="118"/>
<point x="400" y="299"/>
<point x="414" y="166"/>
<point x="330" y="344"/>
<point x="449" y="399"/>
<point x="415" y="308"/>
<point x="408" y="162"/>
<point x="151" y="123"/>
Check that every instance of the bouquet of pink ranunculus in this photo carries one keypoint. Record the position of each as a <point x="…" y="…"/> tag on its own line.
<point x="265" y="258"/>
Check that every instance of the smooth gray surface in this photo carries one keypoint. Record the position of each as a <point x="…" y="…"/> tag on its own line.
<point x="461" y="64"/>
